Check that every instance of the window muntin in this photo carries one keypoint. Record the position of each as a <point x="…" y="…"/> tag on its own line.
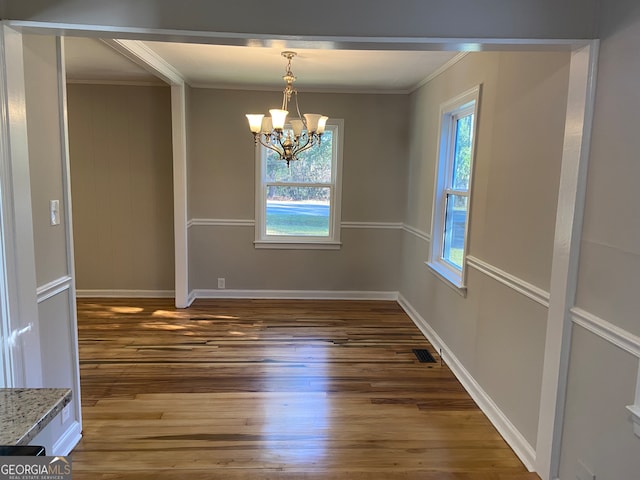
<point x="300" y="204"/>
<point x="453" y="187"/>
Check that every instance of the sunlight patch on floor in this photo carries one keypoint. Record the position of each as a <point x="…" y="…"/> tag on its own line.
<point x="126" y="309"/>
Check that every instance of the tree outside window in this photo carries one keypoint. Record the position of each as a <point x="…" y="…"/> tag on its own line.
<point x="299" y="204"/>
<point x="450" y="216"/>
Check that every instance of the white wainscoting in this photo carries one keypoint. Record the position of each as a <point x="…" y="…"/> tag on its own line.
<point x="525" y="288"/>
<point x="68" y="440"/>
<point x="73" y="433"/>
<point x="521" y="286"/>
<point x="608" y="331"/>
<point x="373" y="225"/>
<point x="220" y="222"/>
<point x="53" y="288"/>
<point x="292" y="294"/>
<point x="619" y="337"/>
<point x="525" y="451"/>
<point x="416" y="232"/>
<point x="509" y="432"/>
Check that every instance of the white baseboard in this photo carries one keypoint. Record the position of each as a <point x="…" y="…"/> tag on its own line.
<point x="509" y="432"/>
<point x="228" y="293"/>
<point x="67" y="441"/>
<point x="293" y="294"/>
<point x="125" y="293"/>
<point x="191" y="298"/>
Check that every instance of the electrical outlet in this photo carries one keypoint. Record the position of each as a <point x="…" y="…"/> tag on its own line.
<point x="66" y="414"/>
<point x="221" y="283"/>
<point x="583" y="473"/>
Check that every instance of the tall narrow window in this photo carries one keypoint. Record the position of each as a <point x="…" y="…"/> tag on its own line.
<point x="298" y="206"/>
<point x="450" y="217"/>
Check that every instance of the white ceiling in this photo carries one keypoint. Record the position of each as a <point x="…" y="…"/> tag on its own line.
<point x="224" y="66"/>
<point x="91" y="60"/>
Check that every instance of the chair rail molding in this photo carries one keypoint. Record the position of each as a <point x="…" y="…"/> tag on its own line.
<point x="417" y="232"/>
<point x="220" y="222"/>
<point x="373" y="225"/>
<point x="241" y="222"/>
<point x="622" y="339"/>
<point x="521" y="286"/>
<point x="619" y="337"/>
<point x="53" y="288"/>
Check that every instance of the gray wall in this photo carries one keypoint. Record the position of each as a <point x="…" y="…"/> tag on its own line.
<point x="122" y="186"/>
<point x="222" y="187"/>
<point x="602" y="377"/>
<point x="493" y="321"/>
<point x="48" y="171"/>
<point x="407" y="18"/>
<point x="45" y="162"/>
<point x="497" y="333"/>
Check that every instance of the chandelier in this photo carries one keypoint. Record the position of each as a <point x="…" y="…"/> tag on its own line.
<point x="304" y="132"/>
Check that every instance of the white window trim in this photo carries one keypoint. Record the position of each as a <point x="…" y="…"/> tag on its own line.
<point x="466" y="102"/>
<point x="332" y="242"/>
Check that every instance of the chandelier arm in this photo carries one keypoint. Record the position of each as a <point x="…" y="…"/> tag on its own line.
<point x="301" y="147"/>
<point x="303" y="137"/>
<point x="310" y="143"/>
<point x="304" y="149"/>
<point x="270" y="147"/>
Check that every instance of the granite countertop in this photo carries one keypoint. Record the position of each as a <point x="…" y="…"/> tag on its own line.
<point x="26" y="411"/>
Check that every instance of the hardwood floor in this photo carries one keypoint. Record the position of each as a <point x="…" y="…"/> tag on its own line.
<point x="262" y="389"/>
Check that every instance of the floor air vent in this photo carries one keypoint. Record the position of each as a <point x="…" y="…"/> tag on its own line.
<point x="423" y="355"/>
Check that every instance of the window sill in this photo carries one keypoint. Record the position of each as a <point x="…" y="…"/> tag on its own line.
<point x="297" y="245"/>
<point x="450" y="279"/>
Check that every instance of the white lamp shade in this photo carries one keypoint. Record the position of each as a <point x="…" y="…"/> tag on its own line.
<point x="267" y="126"/>
<point x="322" y="123"/>
<point x="312" y="121"/>
<point x="297" y="126"/>
<point x="255" y="121"/>
<point x="278" y="117"/>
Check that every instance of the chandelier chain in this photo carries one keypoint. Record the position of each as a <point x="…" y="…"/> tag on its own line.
<point x="305" y="131"/>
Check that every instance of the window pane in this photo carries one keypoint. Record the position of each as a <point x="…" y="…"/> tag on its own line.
<point x="462" y="154"/>
<point x="298" y="211"/>
<point x="314" y="165"/>
<point x="454" y="230"/>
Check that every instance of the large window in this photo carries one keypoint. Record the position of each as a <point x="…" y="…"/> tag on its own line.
<point x="299" y="205"/>
<point x="450" y="217"/>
